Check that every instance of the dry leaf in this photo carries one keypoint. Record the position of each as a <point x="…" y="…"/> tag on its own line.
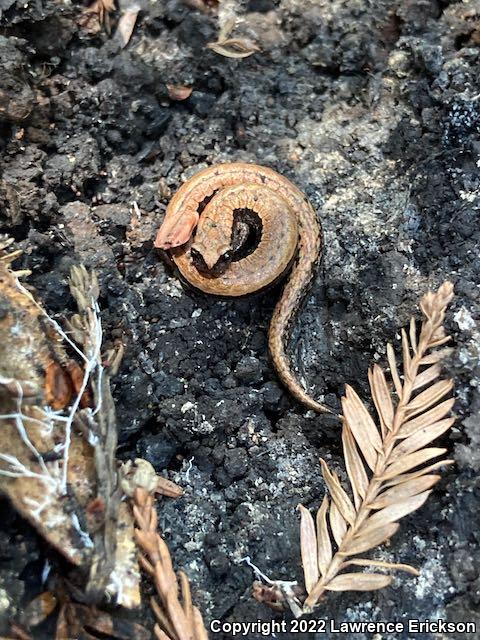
<point x="412" y="460"/>
<point x="416" y="474"/>
<point x="381" y="396"/>
<point x="427" y="376"/>
<point x="179" y="91"/>
<point x="358" y="582"/>
<point x="337" y="523"/>
<point x="234" y="47"/>
<point x="365" y="541"/>
<point x="126" y="24"/>
<point x="365" y="562"/>
<point x="339" y="496"/>
<point x="436" y="356"/>
<point x="39" y="608"/>
<point x="395" y="511"/>
<point x="96" y="16"/>
<point x="392" y="363"/>
<point x="308" y="547"/>
<point x="324" y="548"/>
<point x="18" y="632"/>
<point x="429" y="397"/>
<point x="205" y="6"/>
<point x="426" y="419"/>
<point x="362" y="426"/>
<point x="413" y="334"/>
<point x="404" y="490"/>
<point x="405" y="350"/>
<point x="355" y="469"/>
<point x="226" y="28"/>
<point x="423" y="436"/>
<point x="177" y="620"/>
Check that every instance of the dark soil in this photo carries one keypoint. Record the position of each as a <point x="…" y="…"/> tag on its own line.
<point x="373" y="110"/>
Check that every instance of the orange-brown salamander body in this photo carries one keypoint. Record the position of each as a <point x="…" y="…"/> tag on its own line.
<point x="215" y="203"/>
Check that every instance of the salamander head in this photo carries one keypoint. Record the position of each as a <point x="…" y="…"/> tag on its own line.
<point x="176" y="231"/>
<point x="210" y="253"/>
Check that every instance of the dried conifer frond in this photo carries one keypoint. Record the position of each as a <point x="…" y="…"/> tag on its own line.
<point x="385" y="461"/>
<point x="176" y="620"/>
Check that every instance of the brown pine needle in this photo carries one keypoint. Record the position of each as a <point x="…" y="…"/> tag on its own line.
<point x="382" y="461"/>
<point x="176" y="620"/>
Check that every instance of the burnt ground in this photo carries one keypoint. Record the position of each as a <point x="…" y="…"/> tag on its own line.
<point x="371" y="108"/>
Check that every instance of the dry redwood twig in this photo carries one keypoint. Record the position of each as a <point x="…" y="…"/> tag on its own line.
<point x="384" y="463"/>
<point x="175" y="620"/>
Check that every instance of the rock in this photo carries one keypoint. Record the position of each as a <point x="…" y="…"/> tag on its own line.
<point x="236" y="463"/>
<point x="249" y="370"/>
<point x="17" y="99"/>
<point x="156" y="449"/>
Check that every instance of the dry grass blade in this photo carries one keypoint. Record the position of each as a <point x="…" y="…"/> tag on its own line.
<point x="383" y="491"/>
<point x="175" y="620"/>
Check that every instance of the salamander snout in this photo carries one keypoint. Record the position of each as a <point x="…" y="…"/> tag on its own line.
<point x="210" y="258"/>
<point x="176" y="231"/>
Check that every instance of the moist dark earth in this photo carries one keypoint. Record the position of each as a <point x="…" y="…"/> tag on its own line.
<point x="373" y="110"/>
